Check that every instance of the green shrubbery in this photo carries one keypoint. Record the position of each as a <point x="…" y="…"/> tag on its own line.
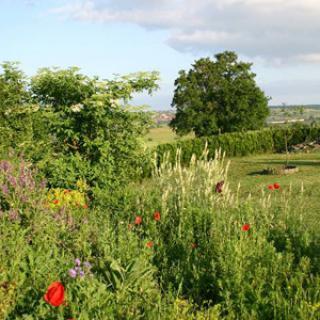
<point x="241" y="143"/>
<point x="180" y="248"/>
<point x="75" y="127"/>
<point x="180" y="245"/>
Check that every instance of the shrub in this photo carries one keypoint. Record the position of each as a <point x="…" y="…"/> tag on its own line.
<point x="241" y="143"/>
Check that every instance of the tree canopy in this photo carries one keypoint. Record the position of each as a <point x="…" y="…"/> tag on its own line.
<point x="218" y="95"/>
<point x="75" y="126"/>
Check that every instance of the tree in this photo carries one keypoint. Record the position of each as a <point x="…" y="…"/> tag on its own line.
<point x="61" y="87"/>
<point x="16" y="111"/>
<point x="13" y="87"/>
<point x="95" y="132"/>
<point x="218" y="96"/>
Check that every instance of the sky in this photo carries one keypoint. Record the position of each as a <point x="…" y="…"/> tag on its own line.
<point x="107" y="37"/>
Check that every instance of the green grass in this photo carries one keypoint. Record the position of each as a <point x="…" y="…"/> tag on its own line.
<point x="193" y="262"/>
<point x="162" y="135"/>
<point x="247" y="172"/>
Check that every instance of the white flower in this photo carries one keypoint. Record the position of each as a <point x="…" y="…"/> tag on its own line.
<point x="77" y="107"/>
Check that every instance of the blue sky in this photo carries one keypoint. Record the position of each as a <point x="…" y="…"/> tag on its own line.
<point x="104" y="37"/>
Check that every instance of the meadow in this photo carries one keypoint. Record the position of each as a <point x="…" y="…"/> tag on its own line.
<point x="184" y="245"/>
<point x="95" y="226"/>
<point x="163" y="134"/>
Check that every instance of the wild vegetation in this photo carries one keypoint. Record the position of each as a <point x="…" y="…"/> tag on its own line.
<point x="217" y="97"/>
<point x="96" y="226"/>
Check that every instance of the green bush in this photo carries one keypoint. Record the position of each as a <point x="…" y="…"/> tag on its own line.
<point x="241" y="143"/>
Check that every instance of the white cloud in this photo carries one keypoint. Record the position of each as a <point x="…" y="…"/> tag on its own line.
<point x="274" y="30"/>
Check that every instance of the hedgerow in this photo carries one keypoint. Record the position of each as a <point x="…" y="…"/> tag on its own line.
<point x="267" y="140"/>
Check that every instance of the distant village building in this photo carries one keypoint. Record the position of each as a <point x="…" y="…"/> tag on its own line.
<point x="163" y="118"/>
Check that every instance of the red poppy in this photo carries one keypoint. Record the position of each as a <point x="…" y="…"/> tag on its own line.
<point x="276" y="186"/>
<point x="55" y="294"/>
<point x="194" y="245"/>
<point x="157" y="216"/>
<point x="149" y="244"/>
<point x="138" y="220"/>
<point x="55" y="201"/>
<point x="271" y="187"/>
<point x="85" y="206"/>
<point x="219" y="186"/>
<point x="246" y="227"/>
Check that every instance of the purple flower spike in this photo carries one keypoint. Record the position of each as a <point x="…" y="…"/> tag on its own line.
<point x="5" y="166"/>
<point x="77" y="262"/>
<point x="43" y="184"/>
<point x="24" y="198"/>
<point x="5" y="189"/>
<point x="23" y="181"/>
<point x="13" y="215"/>
<point x="72" y="273"/>
<point x="12" y="181"/>
<point x="81" y="274"/>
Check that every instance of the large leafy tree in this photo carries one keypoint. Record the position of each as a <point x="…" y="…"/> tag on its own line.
<point x="218" y="95"/>
<point x="95" y="133"/>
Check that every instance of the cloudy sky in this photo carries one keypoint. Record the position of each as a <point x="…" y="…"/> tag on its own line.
<point x="104" y="37"/>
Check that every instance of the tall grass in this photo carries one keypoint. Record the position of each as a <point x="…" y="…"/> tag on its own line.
<point x="182" y="246"/>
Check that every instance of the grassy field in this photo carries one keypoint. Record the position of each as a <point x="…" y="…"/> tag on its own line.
<point x="162" y="135"/>
<point x="247" y="172"/>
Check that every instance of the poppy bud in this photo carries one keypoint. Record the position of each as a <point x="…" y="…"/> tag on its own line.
<point x="138" y="220"/>
<point x="219" y="186"/>
<point x="156" y="216"/>
<point x="149" y="244"/>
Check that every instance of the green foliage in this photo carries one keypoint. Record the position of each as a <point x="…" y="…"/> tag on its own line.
<point x="186" y="257"/>
<point x="13" y="87"/>
<point x="16" y="111"/>
<point x="241" y="143"/>
<point x="74" y="126"/>
<point x="201" y="264"/>
<point x="218" y="96"/>
<point x="61" y="88"/>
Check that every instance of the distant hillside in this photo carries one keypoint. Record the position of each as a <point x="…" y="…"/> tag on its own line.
<point x="307" y="106"/>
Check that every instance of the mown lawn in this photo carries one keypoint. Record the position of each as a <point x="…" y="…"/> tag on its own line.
<point x="247" y="172"/>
